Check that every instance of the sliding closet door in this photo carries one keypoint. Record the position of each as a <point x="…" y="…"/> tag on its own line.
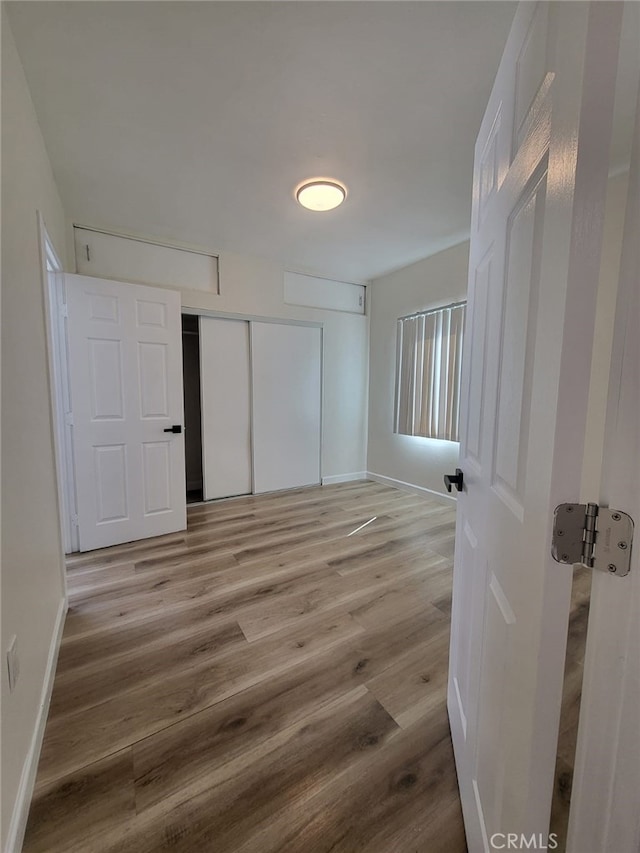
<point x="225" y="377"/>
<point x="286" y="367"/>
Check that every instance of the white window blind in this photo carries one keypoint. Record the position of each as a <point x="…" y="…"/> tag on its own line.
<point x="429" y="360"/>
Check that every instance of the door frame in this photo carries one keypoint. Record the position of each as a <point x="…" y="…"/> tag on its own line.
<point x="61" y="420"/>
<point x="607" y="771"/>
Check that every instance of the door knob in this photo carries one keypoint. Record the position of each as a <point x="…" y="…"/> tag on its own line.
<point x="177" y="428"/>
<point x="454" y="480"/>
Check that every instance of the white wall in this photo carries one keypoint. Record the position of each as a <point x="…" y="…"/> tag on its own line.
<point x="255" y="287"/>
<point x="32" y="590"/>
<point x="437" y="280"/>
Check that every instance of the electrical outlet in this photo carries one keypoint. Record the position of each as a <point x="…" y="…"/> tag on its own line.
<point x="13" y="663"/>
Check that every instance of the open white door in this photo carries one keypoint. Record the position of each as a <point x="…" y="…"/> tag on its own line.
<point x="540" y="176"/>
<point x="125" y="364"/>
<point x="604" y="802"/>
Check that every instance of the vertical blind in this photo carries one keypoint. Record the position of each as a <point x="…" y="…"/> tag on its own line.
<point x="429" y="361"/>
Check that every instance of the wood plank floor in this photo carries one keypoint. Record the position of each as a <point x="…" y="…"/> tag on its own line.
<point x="270" y="681"/>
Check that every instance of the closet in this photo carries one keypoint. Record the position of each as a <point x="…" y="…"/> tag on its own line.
<point x="192" y="407"/>
<point x="259" y="390"/>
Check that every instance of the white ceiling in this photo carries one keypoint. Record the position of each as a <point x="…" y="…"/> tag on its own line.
<point x="195" y="121"/>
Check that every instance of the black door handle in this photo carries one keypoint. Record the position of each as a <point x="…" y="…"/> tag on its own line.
<point x="177" y="428"/>
<point x="454" y="480"/>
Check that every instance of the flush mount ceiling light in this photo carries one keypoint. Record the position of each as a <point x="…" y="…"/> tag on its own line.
<point x="320" y="193"/>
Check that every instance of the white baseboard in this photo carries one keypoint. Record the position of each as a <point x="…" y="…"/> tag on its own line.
<point x="344" y="478"/>
<point x="15" y="836"/>
<point x="410" y="487"/>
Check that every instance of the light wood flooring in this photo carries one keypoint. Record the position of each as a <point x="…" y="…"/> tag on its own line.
<point x="269" y="681"/>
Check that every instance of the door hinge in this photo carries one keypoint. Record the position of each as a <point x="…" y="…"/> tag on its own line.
<point x="596" y="536"/>
<point x="64" y="311"/>
<point x="74" y="520"/>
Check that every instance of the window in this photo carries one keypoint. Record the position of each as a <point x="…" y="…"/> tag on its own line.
<point x="429" y="360"/>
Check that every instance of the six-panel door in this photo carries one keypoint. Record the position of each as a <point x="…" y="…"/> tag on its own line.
<point x="523" y="409"/>
<point x="125" y="365"/>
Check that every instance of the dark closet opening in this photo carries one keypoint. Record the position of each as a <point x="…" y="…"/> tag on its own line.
<point x="192" y="410"/>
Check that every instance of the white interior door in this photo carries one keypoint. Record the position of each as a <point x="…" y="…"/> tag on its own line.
<point x="125" y="365"/>
<point x="286" y="364"/>
<point x="540" y="177"/>
<point x="604" y="802"/>
<point x="225" y="378"/>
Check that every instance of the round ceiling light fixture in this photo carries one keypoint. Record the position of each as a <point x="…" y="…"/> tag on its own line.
<point x="320" y="193"/>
